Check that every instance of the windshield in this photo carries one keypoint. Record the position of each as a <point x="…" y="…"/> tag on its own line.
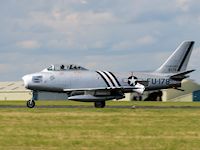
<point x="63" y="67"/>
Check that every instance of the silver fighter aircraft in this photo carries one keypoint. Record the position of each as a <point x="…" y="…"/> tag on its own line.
<point x="81" y="84"/>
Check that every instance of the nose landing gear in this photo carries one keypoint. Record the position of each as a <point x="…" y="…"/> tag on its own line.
<point x="31" y="103"/>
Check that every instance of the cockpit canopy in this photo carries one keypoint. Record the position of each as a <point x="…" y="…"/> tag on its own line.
<point x="63" y="67"/>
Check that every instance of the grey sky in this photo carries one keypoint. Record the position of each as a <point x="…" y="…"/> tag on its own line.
<point x="117" y="35"/>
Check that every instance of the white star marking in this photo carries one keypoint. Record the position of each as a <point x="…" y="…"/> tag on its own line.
<point x="132" y="81"/>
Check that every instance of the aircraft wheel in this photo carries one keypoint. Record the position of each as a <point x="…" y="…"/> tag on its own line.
<point x="100" y="104"/>
<point x="30" y="103"/>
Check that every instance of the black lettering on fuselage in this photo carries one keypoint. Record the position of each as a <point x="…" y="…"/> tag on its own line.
<point x="153" y="81"/>
<point x="158" y="81"/>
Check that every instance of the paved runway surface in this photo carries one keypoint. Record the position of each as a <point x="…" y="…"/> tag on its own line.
<point x="118" y="106"/>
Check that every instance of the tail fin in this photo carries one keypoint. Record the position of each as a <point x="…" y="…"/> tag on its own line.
<point x="178" y="61"/>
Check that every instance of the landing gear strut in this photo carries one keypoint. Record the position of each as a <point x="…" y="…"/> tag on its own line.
<point x="100" y="104"/>
<point x="31" y="103"/>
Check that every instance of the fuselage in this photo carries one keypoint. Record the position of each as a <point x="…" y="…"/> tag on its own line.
<point x="57" y="81"/>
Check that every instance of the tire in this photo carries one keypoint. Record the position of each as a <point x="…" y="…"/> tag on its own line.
<point x="30" y="103"/>
<point x="100" y="104"/>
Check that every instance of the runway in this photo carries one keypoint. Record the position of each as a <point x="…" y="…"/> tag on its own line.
<point x="117" y="106"/>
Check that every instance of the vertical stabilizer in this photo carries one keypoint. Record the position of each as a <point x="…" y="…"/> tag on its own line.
<point x="178" y="61"/>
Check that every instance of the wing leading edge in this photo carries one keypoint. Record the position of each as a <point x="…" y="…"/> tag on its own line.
<point x="139" y="88"/>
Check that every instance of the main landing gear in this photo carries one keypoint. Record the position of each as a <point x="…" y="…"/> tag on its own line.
<point x="31" y="103"/>
<point x="101" y="104"/>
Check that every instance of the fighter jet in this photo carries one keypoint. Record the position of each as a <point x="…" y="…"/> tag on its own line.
<point x="81" y="84"/>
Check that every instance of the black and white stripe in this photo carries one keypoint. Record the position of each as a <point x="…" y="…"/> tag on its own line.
<point x="109" y="78"/>
<point x="185" y="56"/>
<point x="115" y="79"/>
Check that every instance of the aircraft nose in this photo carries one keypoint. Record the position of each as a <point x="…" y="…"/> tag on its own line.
<point x="27" y="80"/>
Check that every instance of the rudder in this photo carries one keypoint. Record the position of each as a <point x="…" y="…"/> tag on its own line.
<point x="178" y="60"/>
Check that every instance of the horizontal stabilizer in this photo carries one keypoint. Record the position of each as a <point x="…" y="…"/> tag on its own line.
<point x="181" y="75"/>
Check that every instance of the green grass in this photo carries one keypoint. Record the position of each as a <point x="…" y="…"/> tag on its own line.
<point x="111" y="103"/>
<point x="97" y="129"/>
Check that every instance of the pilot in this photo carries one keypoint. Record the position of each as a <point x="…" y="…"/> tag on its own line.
<point x="62" y="67"/>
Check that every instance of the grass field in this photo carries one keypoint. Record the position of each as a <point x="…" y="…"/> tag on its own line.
<point x="100" y="129"/>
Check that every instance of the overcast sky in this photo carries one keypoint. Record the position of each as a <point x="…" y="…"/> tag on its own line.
<point x="116" y="35"/>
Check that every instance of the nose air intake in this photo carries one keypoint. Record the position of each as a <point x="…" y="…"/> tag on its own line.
<point x="26" y="80"/>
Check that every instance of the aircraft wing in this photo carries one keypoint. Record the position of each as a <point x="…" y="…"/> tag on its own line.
<point x="89" y="89"/>
<point x="145" y="83"/>
<point x="139" y="88"/>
